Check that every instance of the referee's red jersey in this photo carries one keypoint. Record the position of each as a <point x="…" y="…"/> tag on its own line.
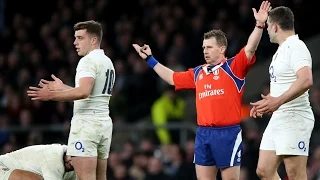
<point x="219" y="89"/>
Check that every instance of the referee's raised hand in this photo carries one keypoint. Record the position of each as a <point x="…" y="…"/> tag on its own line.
<point x="143" y="51"/>
<point x="262" y="15"/>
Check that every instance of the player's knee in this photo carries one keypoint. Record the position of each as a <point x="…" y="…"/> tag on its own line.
<point x="262" y="172"/>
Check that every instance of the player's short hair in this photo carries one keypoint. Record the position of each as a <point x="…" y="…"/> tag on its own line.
<point x="219" y="35"/>
<point x="283" y="16"/>
<point x="92" y="27"/>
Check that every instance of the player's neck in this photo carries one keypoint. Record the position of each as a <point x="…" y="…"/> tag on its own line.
<point x="216" y="62"/>
<point x="285" y="34"/>
<point x="92" y="49"/>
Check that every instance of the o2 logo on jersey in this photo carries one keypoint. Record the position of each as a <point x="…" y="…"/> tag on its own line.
<point x="108" y="85"/>
<point x="302" y="146"/>
<point x="78" y="145"/>
<point x="272" y="76"/>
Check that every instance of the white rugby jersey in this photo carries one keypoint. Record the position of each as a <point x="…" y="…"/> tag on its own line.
<point x="100" y="67"/>
<point x="44" y="160"/>
<point x="291" y="55"/>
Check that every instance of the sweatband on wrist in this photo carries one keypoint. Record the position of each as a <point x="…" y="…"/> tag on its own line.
<point x="151" y="61"/>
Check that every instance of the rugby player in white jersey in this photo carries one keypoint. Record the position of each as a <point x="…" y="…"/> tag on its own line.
<point x="91" y="126"/>
<point x="38" y="162"/>
<point x="288" y="133"/>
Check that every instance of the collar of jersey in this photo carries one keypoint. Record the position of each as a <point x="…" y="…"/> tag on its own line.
<point x="96" y="51"/>
<point x="206" y="67"/>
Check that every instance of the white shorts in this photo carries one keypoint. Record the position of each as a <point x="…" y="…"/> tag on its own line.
<point x="90" y="136"/>
<point x="5" y="172"/>
<point x="288" y="133"/>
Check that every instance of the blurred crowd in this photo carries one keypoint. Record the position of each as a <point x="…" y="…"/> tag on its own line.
<point x="38" y="42"/>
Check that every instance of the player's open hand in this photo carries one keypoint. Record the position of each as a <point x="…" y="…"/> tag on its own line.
<point x="55" y="85"/>
<point x="39" y="93"/>
<point x="253" y="112"/>
<point x="143" y="51"/>
<point x="270" y="105"/>
<point x="262" y="15"/>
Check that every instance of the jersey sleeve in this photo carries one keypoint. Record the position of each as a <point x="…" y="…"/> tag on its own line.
<point x="52" y="166"/>
<point x="86" y="68"/>
<point x="242" y="64"/>
<point x="184" y="80"/>
<point x="299" y="58"/>
<point x="52" y="171"/>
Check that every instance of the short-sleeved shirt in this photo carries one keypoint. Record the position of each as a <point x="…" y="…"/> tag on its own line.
<point x="291" y="56"/>
<point x="100" y="67"/>
<point x="44" y="160"/>
<point x="219" y="89"/>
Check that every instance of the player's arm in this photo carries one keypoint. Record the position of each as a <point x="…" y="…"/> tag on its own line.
<point x="255" y="37"/>
<point x="65" y="87"/>
<point x="298" y="87"/>
<point x="86" y="71"/>
<point x="181" y="80"/>
<point x="71" y="94"/>
<point x="300" y="62"/>
<point x="25" y="175"/>
<point x="80" y="92"/>
<point x="165" y="73"/>
<point x="55" y="85"/>
<point x="301" y="85"/>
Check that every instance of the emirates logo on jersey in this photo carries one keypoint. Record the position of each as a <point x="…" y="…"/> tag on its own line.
<point x="213" y="92"/>
<point x="210" y="92"/>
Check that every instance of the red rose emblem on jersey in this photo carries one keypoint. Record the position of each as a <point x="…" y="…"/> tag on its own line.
<point x="5" y="169"/>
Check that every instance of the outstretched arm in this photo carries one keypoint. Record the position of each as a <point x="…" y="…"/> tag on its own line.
<point x="181" y="80"/>
<point x="255" y="37"/>
<point x="165" y="73"/>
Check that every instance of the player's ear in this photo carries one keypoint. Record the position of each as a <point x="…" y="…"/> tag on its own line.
<point x="275" y="27"/>
<point x="223" y="49"/>
<point x="94" y="40"/>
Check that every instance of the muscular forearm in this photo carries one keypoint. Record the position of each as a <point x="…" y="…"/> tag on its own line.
<point x="254" y="40"/>
<point x="66" y="87"/>
<point x="300" y="86"/>
<point x="165" y="73"/>
<point x="70" y="94"/>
